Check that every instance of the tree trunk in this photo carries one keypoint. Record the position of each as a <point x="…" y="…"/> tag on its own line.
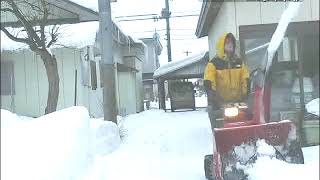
<point x="50" y="64"/>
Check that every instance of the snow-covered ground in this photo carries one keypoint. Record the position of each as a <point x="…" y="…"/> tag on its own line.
<point x="155" y="145"/>
<point x="58" y="146"/>
<point x="199" y="101"/>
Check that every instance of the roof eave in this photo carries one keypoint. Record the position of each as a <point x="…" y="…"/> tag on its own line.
<point x="207" y="16"/>
<point x="201" y="20"/>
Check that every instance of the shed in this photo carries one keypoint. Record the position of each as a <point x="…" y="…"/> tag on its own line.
<point x="188" y="68"/>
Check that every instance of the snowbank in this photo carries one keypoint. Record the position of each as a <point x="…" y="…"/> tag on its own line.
<point x="106" y="136"/>
<point x="55" y="146"/>
<point x="161" y="146"/>
<point x="9" y="119"/>
<point x="60" y="145"/>
<point x="313" y="107"/>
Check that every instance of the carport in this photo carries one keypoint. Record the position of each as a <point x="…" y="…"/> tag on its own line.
<point x="188" y="68"/>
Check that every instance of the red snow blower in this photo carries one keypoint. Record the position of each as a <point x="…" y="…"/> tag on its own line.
<point x="243" y="126"/>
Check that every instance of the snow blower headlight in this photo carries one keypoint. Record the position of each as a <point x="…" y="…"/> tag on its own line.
<point x="231" y="112"/>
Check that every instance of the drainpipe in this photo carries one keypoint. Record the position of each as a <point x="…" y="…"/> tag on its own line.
<point x="302" y="105"/>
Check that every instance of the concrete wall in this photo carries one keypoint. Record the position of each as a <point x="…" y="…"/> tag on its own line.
<point x="232" y="15"/>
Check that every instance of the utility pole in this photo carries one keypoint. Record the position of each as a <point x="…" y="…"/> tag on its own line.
<point x="165" y="13"/>
<point x="108" y="66"/>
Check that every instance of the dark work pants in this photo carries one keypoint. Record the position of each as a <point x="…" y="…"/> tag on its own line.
<point x="214" y="114"/>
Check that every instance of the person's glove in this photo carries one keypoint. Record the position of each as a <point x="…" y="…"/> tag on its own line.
<point x="214" y="99"/>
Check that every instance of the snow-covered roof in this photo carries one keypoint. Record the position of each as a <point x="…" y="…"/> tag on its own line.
<point x="176" y="65"/>
<point x="71" y="35"/>
<point x="91" y="4"/>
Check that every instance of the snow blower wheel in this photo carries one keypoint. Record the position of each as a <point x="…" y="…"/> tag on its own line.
<point x="293" y="153"/>
<point x="208" y="167"/>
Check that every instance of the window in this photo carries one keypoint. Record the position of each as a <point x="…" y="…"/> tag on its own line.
<point x="93" y="75"/>
<point x="101" y="74"/>
<point x="85" y="70"/>
<point x="7" y="78"/>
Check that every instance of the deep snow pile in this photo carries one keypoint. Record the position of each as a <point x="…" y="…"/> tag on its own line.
<point x="159" y="145"/>
<point x="156" y="145"/>
<point x="59" y="145"/>
<point x="169" y="146"/>
<point x="55" y="146"/>
<point x="106" y="137"/>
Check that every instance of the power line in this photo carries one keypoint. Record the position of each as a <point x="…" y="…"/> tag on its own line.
<point x="140" y="19"/>
<point x="159" y="30"/>
<point x="141" y="15"/>
<point x="156" y="18"/>
<point x="188" y="15"/>
<point x="138" y="15"/>
<point x="186" y="12"/>
<point x="184" y="39"/>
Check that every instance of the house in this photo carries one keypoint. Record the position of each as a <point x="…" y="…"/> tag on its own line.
<point x="252" y="31"/>
<point x="188" y="68"/>
<point x="151" y="63"/>
<point x="253" y="24"/>
<point x="24" y="85"/>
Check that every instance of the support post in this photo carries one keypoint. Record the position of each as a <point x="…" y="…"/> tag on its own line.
<point x="75" y="87"/>
<point x="162" y="98"/>
<point x="301" y="86"/>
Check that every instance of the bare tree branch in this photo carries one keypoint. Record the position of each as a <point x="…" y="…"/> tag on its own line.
<point x="33" y="7"/>
<point x="54" y="35"/>
<point x="36" y="35"/>
<point x="43" y="23"/>
<point x="6" y="10"/>
<point x="30" y="31"/>
<point x="34" y="17"/>
<point x="14" y="38"/>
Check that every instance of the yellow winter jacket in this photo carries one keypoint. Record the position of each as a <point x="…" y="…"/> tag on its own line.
<point x="228" y="76"/>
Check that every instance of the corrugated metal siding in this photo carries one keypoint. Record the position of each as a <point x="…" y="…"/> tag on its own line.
<point x="127" y="93"/>
<point x="139" y="87"/>
<point x="32" y="84"/>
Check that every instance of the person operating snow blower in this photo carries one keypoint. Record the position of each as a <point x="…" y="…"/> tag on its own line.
<point x="225" y="78"/>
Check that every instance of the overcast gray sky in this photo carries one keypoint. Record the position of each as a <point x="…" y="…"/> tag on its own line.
<point x="183" y="28"/>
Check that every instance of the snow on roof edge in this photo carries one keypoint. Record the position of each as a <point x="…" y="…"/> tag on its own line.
<point x="176" y="65"/>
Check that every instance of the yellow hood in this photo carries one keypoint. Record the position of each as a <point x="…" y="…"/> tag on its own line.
<point x="220" y="45"/>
